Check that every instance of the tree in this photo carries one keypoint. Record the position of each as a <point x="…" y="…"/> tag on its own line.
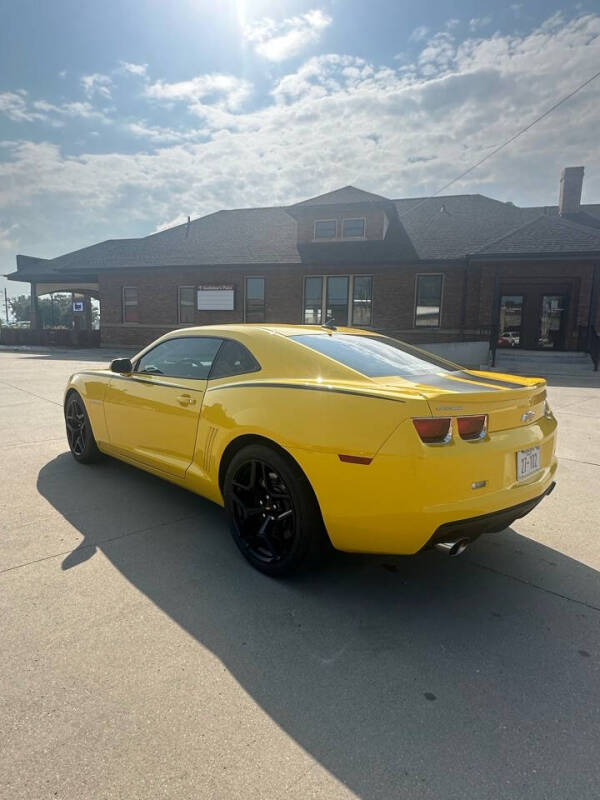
<point x="20" y="307"/>
<point x="55" y="311"/>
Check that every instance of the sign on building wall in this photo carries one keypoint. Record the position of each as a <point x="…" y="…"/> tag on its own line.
<point x="77" y="305"/>
<point x="216" y="298"/>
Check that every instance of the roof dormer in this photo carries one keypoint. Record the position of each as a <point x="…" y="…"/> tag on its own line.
<point x="345" y="215"/>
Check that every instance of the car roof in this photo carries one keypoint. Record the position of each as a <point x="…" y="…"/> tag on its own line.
<point x="259" y="328"/>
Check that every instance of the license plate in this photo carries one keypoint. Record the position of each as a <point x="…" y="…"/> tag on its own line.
<point x="528" y="462"/>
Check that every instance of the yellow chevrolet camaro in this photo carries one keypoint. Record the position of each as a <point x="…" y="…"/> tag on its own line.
<point x="314" y="436"/>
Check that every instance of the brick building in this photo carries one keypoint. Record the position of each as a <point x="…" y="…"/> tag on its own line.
<point x="436" y="270"/>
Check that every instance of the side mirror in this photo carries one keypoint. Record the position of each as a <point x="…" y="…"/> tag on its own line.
<point x="121" y="365"/>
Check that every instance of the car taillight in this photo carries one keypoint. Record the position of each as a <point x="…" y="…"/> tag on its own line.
<point x="472" y="427"/>
<point x="433" y="430"/>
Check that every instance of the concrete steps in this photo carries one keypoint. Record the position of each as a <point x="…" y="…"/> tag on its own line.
<point x="536" y="362"/>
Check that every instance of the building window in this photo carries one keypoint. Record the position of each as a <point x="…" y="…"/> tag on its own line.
<point x="313" y="300"/>
<point x="255" y="300"/>
<point x="346" y="299"/>
<point x="428" y="301"/>
<point x="353" y="228"/>
<point x="130" y="304"/>
<point x="362" y="299"/>
<point x="336" y="305"/>
<point x="325" y="229"/>
<point x="186" y="304"/>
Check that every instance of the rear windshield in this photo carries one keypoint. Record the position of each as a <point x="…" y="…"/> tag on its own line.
<point x="374" y="356"/>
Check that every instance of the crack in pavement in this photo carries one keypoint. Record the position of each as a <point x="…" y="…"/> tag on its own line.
<point x="578" y="461"/>
<point x="31" y="394"/>
<point x="39" y="441"/>
<point x="534" y="585"/>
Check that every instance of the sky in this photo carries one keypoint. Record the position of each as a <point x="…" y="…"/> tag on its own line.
<point x="118" y="119"/>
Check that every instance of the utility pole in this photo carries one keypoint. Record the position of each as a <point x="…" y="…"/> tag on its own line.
<point x="6" y="304"/>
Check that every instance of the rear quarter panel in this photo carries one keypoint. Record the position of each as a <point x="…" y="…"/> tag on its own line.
<point x="302" y="422"/>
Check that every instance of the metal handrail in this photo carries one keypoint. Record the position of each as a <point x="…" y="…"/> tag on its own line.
<point x="494" y="333"/>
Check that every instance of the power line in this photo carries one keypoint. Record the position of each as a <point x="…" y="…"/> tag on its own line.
<point x="505" y="144"/>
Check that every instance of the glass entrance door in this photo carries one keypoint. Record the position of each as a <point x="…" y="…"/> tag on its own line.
<point x="552" y="321"/>
<point x="511" y="319"/>
<point x="534" y="315"/>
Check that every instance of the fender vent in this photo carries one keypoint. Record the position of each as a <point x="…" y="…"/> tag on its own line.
<point x="208" y="448"/>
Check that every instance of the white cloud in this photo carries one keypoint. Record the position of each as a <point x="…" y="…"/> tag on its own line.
<point x="158" y="134"/>
<point x="134" y="69"/>
<point x="278" y="41"/>
<point x="70" y="109"/>
<point x="8" y="242"/>
<point x="204" y="94"/>
<point x="15" y="106"/>
<point x="419" y="33"/>
<point x="97" y="84"/>
<point x="438" y="54"/>
<point x="336" y="119"/>
<point x="556" y="21"/>
<point x="170" y="223"/>
<point x="477" y="23"/>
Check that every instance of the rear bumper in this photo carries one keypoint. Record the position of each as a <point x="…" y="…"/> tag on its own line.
<point x="410" y="491"/>
<point x="497" y="521"/>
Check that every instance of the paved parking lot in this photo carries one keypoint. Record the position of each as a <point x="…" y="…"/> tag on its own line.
<point x="142" y="658"/>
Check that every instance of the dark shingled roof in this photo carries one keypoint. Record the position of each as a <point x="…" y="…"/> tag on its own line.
<point x="545" y="235"/>
<point x="347" y="194"/>
<point x="426" y="229"/>
<point x="455" y="226"/>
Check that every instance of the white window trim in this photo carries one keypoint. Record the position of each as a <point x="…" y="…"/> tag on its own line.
<point x="261" y="277"/>
<point x="429" y="327"/>
<point x="179" y="288"/>
<point x="125" y="322"/>
<point x="324" y="238"/>
<point x="354" y="238"/>
<point x="323" y="278"/>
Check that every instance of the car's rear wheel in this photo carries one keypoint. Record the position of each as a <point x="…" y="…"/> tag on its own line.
<point x="275" y="518"/>
<point x="79" y="431"/>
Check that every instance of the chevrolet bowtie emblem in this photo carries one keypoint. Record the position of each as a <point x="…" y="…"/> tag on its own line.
<point x="527" y="416"/>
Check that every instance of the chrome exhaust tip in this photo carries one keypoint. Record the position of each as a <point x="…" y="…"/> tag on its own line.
<point x="455" y="547"/>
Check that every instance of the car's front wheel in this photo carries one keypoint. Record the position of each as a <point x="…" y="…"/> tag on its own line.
<point x="275" y="518"/>
<point x="79" y="431"/>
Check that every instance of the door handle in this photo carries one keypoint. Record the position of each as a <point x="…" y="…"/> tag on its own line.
<point x="186" y="400"/>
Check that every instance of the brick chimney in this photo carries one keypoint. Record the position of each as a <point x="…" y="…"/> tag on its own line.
<point x="571" y="182"/>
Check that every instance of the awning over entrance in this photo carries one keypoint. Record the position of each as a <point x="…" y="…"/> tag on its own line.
<point x="79" y="331"/>
<point x="71" y="286"/>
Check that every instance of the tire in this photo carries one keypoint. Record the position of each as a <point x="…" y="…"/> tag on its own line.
<point x="273" y="512"/>
<point x="80" y="436"/>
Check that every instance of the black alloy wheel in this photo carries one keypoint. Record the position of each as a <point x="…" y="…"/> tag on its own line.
<point x="274" y="515"/>
<point x="263" y="511"/>
<point x="79" y="431"/>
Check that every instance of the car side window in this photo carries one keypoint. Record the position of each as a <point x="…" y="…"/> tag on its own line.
<point x="188" y="357"/>
<point x="233" y="359"/>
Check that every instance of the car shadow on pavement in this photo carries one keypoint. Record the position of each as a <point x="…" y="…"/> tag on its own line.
<point x="426" y="676"/>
